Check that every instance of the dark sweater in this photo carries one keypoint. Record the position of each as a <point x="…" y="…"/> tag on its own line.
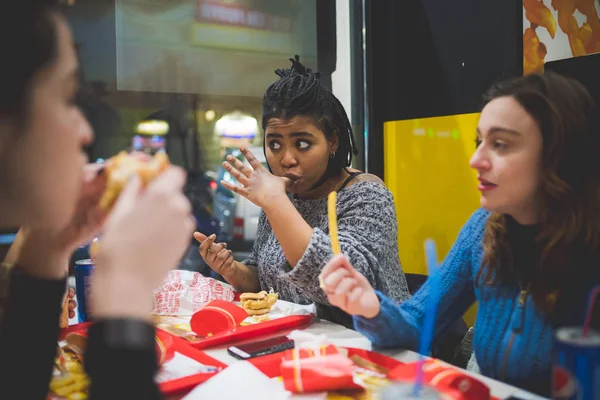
<point x="121" y="355"/>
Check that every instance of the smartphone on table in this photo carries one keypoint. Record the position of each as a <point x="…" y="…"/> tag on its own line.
<point x="261" y="348"/>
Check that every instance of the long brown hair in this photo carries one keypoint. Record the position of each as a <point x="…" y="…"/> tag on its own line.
<point x="570" y="189"/>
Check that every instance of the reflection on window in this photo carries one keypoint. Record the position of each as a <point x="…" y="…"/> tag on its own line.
<point x="187" y="76"/>
<point x="187" y="63"/>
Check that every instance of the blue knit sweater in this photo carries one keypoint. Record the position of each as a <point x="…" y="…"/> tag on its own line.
<point x="513" y="340"/>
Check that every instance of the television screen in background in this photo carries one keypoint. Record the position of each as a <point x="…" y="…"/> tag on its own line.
<point x="190" y="61"/>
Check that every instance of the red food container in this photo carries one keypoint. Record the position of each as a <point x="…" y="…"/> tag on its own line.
<point x="216" y="317"/>
<point x="448" y="380"/>
<point x="308" y="370"/>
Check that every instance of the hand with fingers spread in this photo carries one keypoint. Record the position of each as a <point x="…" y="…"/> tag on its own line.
<point x="348" y="289"/>
<point x="257" y="184"/>
<point x="216" y="255"/>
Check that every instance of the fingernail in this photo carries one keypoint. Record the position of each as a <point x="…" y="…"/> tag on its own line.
<point x="213" y="236"/>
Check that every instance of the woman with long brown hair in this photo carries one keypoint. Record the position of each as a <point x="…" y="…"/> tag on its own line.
<point x="530" y="256"/>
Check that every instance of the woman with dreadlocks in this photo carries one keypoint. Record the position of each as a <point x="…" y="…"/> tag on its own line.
<point x="309" y="148"/>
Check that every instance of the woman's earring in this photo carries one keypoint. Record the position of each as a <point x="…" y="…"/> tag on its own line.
<point x="332" y="155"/>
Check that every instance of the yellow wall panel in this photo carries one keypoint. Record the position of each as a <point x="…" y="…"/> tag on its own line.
<point x="427" y="169"/>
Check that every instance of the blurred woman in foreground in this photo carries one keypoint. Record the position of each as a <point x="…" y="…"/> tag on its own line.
<point x="46" y="188"/>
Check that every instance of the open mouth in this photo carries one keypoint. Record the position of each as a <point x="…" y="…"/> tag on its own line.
<point x="485" y="185"/>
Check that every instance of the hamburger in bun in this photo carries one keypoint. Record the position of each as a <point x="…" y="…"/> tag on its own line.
<point x="258" y="303"/>
<point x="120" y="168"/>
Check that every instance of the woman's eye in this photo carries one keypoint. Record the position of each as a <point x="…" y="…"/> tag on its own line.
<point x="499" y="144"/>
<point x="303" y="145"/>
<point x="274" y="146"/>
<point x="477" y="142"/>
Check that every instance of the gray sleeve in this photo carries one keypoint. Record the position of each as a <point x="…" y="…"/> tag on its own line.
<point x="367" y="231"/>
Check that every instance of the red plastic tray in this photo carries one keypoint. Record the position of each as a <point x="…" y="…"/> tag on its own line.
<point x="270" y="365"/>
<point x="241" y="333"/>
<point x="187" y="383"/>
<point x="181" y="346"/>
<point x="255" y="330"/>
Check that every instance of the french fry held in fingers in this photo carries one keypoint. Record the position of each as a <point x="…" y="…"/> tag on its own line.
<point x="332" y="216"/>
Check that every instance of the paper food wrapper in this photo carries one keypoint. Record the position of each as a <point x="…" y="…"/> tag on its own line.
<point x="182" y="293"/>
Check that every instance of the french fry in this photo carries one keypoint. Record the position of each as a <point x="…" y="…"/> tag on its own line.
<point x="534" y="52"/>
<point x="537" y="13"/>
<point x="79" y="385"/>
<point x="332" y="214"/>
<point x="69" y="380"/>
<point x="77" y="396"/>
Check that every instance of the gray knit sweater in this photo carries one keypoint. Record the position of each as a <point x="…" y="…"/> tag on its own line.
<point x="368" y="234"/>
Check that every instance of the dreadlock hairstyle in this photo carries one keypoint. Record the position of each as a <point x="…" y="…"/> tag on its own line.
<point x="298" y="92"/>
<point x="569" y="191"/>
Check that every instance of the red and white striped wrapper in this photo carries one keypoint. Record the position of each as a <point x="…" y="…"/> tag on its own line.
<point x="182" y="293"/>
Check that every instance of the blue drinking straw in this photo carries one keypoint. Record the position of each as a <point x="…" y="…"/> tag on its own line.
<point x="430" y="313"/>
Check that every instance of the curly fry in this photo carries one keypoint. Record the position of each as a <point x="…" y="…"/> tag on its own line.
<point x="587" y="8"/>
<point x="584" y="39"/>
<point x="534" y="52"/>
<point x="537" y="13"/>
<point x="587" y="37"/>
<point x="577" y="47"/>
